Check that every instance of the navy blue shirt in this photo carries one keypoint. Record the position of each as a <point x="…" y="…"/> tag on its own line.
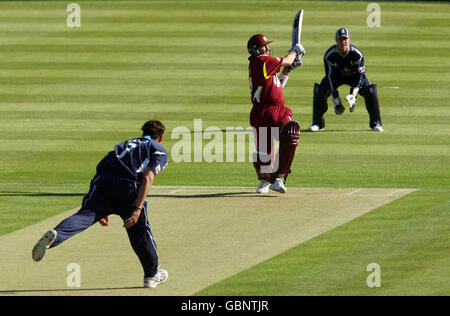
<point x="339" y="68"/>
<point x="130" y="158"/>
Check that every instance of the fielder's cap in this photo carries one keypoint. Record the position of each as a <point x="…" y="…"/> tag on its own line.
<point x="256" y="41"/>
<point x="342" y="32"/>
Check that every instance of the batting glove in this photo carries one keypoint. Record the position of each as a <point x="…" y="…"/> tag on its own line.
<point x="297" y="63"/>
<point x="298" y="49"/>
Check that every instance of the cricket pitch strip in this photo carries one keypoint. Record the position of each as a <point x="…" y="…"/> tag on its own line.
<point x="203" y="234"/>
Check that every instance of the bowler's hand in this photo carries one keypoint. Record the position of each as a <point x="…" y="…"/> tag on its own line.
<point x="104" y="221"/>
<point x="132" y="220"/>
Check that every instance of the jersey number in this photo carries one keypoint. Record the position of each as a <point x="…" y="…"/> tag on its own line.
<point x="257" y="95"/>
<point x="130" y="146"/>
<point x="127" y="150"/>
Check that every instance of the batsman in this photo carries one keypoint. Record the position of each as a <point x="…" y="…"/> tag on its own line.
<point x="271" y="120"/>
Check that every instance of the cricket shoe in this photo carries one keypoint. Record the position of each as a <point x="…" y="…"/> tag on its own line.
<point x="263" y="187"/>
<point x="43" y="244"/>
<point x="160" y="277"/>
<point x="315" y="128"/>
<point x="378" y="128"/>
<point x="278" y="186"/>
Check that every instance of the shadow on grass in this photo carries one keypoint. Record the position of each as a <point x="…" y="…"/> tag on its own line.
<point x="16" y="193"/>
<point x="210" y="195"/>
<point x="337" y="130"/>
<point x="178" y="196"/>
<point x="23" y="291"/>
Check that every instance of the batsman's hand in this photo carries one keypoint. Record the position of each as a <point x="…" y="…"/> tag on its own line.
<point x="132" y="220"/>
<point x="297" y="63"/>
<point x="298" y="49"/>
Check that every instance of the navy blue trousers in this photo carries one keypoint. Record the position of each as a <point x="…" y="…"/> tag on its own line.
<point x="322" y="92"/>
<point x="109" y="195"/>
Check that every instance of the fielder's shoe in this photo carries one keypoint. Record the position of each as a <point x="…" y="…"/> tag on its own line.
<point x="278" y="186"/>
<point x="339" y="109"/>
<point x="352" y="107"/>
<point x="378" y="128"/>
<point x="160" y="277"/>
<point x="315" y="128"/>
<point x="263" y="187"/>
<point x="43" y="244"/>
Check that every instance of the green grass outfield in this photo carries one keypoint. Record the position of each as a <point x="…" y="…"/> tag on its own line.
<point x="68" y="94"/>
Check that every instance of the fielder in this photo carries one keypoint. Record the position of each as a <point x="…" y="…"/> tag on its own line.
<point x="269" y="117"/>
<point x="344" y="64"/>
<point x="123" y="180"/>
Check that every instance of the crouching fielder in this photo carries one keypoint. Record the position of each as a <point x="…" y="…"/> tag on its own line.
<point x="271" y="120"/>
<point x="344" y="64"/>
<point x="123" y="180"/>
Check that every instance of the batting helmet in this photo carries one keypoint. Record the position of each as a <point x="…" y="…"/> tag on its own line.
<point x="255" y="42"/>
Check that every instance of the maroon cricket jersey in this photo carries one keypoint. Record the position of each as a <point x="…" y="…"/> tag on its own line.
<point x="265" y="87"/>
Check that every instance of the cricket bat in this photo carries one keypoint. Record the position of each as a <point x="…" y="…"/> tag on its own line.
<point x="297" y="28"/>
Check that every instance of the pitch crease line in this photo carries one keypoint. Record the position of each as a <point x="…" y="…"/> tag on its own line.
<point x="355" y="191"/>
<point x="177" y="190"/>
<point x="397" y="191"/>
